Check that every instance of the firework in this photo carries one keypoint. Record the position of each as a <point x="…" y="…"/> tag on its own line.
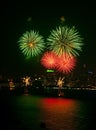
<point x="49" y="60"/>
<point x="66" y="63"/>
<point x="31" y="44"/>
<point x="65" y="40"/>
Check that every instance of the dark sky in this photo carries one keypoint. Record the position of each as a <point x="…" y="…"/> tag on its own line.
<point x="44" y="17"/>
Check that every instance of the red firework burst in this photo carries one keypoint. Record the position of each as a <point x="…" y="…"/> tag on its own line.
<point x="49" y="60"/>
<point x="66" y="63"/>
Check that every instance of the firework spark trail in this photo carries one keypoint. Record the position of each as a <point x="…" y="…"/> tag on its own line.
<point x="31" y="44"/>
<point x="65" y="40"/>
<point x="49" y="60"/>
<point x="66" y="63"/>
<point x="63" y="64"/>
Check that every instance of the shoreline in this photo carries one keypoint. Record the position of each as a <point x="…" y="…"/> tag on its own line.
<point x="50" y="92"/>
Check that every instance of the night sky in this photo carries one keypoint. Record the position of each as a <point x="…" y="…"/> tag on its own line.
<point x="17" y="18"/>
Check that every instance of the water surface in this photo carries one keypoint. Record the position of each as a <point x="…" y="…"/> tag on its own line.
<point x="28" y="112"/>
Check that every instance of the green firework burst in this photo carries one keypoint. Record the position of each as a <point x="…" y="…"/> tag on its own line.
<point x="65" y="40"/>
<point x="31" y="44"/>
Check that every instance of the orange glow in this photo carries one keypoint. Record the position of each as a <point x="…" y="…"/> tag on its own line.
<point x="30" y="44"/>
<point x="49" y="60"/>
<point x="62" y="18"/>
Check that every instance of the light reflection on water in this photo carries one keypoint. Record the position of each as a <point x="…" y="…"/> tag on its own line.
<point x="27" y="112"/>
<point x="60" y="113"/>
